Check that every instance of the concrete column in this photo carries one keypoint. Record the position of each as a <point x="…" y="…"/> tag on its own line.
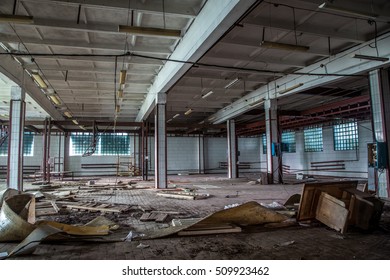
<point x="15" y="139"/>
<point x="274" y="159"/>
<point x="160" y="170"/>
<point x="380" y="108"/>
<point x="201" y="154"/>
<point x="232" y="150"/>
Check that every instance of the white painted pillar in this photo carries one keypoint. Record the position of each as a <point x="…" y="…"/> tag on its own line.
<point x="232" y="150"/>
<point x="274" y="164"/>
<point x="15" y="139"/>
<point x="201" y="153"/>
<point x="160" y="132"/>
<point x="380" y="108"/>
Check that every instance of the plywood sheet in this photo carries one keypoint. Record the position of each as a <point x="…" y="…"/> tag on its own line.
<point x="332" y="212"/>
<point x="311" y="194"/>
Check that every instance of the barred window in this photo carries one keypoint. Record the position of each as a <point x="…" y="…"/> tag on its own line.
<point x="313" y="139"/>
<point x="264" y="140"/>
<point x="288" y="142"/>
<point x="79" y="143"/>
<point x="115" y="144"/>
<point x="345" y="136"/>
<point x="28" y="145"/>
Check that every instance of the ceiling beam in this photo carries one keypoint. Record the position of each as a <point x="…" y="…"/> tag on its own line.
<point x="99" y="70"/>
<point x="310" y="29"/>
<point x="115" y="47"/>
<point x="150" y="7"/>
<point x="341" y="63"/>
<point x="215" y="18"/>
<point x="10" y="68"/>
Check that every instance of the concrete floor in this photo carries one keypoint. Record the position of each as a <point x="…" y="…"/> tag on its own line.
<point x="256" y="242"/>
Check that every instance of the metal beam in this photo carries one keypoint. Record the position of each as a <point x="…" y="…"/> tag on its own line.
<point x="213" y="21"/>
<point x="342" y="64"/>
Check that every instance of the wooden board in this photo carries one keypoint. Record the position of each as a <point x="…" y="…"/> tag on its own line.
<point x="311" y="194"/>
<point x="332" y="212"/>
<point x="211" y="230"/>
<point x="91" y="208"/>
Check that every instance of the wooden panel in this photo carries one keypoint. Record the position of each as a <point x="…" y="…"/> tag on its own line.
<point x="332" y="212"/>
<point x="311" y="194"/>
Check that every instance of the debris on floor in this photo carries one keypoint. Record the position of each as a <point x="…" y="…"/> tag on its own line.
<point x="339" y="205"/>
<point x="183" y="194"/>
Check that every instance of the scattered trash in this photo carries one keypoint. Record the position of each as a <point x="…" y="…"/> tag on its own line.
<point x="133" y="235"/>
<point x="287" y="243"/>
<point x="274" y="205"/>
<point x="143" y="246"/>
<point x="293" y="201"/>
<point x="231" y="206"/>
<point x="234" y="195"/>
<point x="253" y="182"/>
<point x="184" y="194"/>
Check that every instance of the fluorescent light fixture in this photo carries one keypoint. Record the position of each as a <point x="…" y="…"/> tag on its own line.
<point x="82" y="127"/>
<point x="332" y="7"/>
<point x="149" y="31"/>
<point x="122" y="77"/>
<point x="211" y="118"/>
<point x="175" y="116"/>
<point x="68" y="114"/>
<point x="232" y="83"/>
<point x="38" y="79"/>
<point x="201" y="122"/>
<point x="282" y="46"/>
<point x="75" y="122"/>
<point x="4" y="47"/>
<point x="257" y="103"/>
<point x="368" y="57"/>
<point x="17" y="19"/>
<point x="189" y="111"/>
<point x="55" y="99"/>
<point x="120" y="93"/>
<point x="117" y="108"/>
<point x="290" y="88"/>
<point x="208" y="94"/>
<point x="169" y="120"/>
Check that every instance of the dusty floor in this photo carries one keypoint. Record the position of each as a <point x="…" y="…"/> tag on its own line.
<point x="256" y="242"/>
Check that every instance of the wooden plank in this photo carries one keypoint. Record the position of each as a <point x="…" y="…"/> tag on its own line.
<point x="144" y="217"/>
<point x="209" y="231"/>
<point x="80" y="207"/>
<point x="332" y="213"/>
<point x="161" y="217"/>
<point x="312" y="191"/>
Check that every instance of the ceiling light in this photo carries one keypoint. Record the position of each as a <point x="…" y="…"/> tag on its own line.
<point x="148" y="31"/>
<point x="68" y="114"/>
<point x="368" y="57"/>
<point x="231" y="83"/>
<point x="75" y="122"/>
<point x="290" y="88"/>
<point x="282" y="46"/>
<point x="332" y="7"/>
<point x="201" y="122"/>
<point x="211" y="118"/>
<point x="122" y="77"/>
<point x="82" y="127"/>
<point x="16" y="19"/>
<point x="257" y="103"/>
<point x="55" y="99"/>
<point x="175" y="116"/>
<point x="4" y="47"/>
<point x="38" y="79"/>
<point x="120" y="93"/>
<point x="169" y="120"/>
<point x="189" y="111"/>
<point x="208" y="94"/>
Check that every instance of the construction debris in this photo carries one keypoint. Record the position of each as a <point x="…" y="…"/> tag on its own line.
<point x="183" y="194"/>
<point x="339" y="205"/>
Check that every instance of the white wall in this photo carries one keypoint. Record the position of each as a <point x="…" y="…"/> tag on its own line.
<point x="355" y="161"/>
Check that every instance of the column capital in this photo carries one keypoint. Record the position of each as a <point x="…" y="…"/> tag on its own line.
<point x="161" y="98"/>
